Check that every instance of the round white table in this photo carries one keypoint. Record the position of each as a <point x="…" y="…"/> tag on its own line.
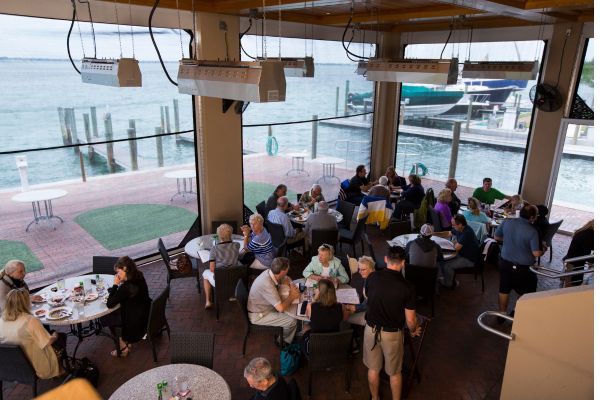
<point x="328" y="167"/>
<point x="36" y="197"/>
<point x="292" y="310"/>
<point x="185" y="185"/>
<point x="301" y="219"/>
<point x="199" y="247"/>
<point x="92" y="310"/>
<point x="298" y="164"/>
<point x="446" y="245"/>
<point x="204" y="383"/>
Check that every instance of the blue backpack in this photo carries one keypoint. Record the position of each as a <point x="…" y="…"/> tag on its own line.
<point x="289" y="359"/>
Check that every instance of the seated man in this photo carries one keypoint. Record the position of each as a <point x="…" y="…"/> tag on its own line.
<point x="259" y="375"/>
<point x="279" y="216"/>
<point x="271" y="203"/>
<point x="467" y="247"/>
<point x="381" y="190"/>
<point x="321" y="219"/>
<point x="358" y="184"/>
<point x="424" y="252"/>
<point x="13" y="277"/>
<point x="312" y="197"/>
<point x="487" y="194"/>
<point x="455" y="203"/>
<point x="265" y="306"/>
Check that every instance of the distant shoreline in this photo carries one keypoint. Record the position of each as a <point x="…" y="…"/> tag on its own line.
<point x="141" y="61"/>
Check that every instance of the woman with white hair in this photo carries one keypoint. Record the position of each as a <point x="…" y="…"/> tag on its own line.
<point x="312" y="197"/>
<point x="381" y="189"/>
<point x="223" y="254"/>
<point x="258" y="241"/>
<point x="326" y="266"/>
<point x="13" y="277"/>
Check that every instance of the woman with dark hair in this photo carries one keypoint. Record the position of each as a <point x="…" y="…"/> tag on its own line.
<point x="412" y="195"/>
<point x="131" y="292"/>
<point x="582" y="244"/>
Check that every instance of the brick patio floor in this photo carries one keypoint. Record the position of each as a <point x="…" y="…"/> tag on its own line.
<point x="459" y="359"/>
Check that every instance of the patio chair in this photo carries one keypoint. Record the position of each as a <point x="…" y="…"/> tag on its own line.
<point x="347" y="210"/>
<point x="247" y="213"/>
<point x="353" y="237"/>
<point x="157" y="321"/>
<point x="225" y="280"/>
<point x="321" y="236"/>
<point x="548" y="234"/>
<point x="476" y="270"/>
<point x="435" y="219"/>
<point x="329" y="352"/>
<point x="241" y="294"/>
<point x="193" y="348"/>
<point x="173" y="273"/>
<point x="215" y="224"/>
<point x="261" y="208"/>
<point x="16" y="367"/>
<point x="425" y="280"/>
<point x="104" y="265"/>
<point x="277" y="237"/>
<point x="379" y="261"/>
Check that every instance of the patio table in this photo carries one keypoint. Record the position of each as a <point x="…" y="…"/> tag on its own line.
<point x="36" y="197"/>
<point x="328" y="167"/>
<point x="185" y="185"/>
<point x="199" y="247"/>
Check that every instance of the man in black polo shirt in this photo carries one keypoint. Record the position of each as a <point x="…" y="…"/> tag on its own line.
<point x="358" y="184"/>
<point x="391" y="301"/>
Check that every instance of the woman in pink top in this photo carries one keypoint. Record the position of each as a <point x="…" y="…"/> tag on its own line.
<point x="444" y="198"/>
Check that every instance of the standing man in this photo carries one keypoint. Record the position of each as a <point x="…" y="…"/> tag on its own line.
<point x="265" y="306"/>
<point x="466" y="245"/>
<point x="487" y="194"/>
<point x="391" y="302"/>
<point x="455" y="202"/>
<point x="520" y="248"/>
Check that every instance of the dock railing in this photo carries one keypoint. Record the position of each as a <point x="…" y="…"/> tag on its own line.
<point x="409" y="149"/>
<point x="352" y="146"/>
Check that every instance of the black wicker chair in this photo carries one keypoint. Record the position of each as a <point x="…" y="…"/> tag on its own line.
<point x="476" y="270"/>
<point x="225" y="281"/>
<point x="329" y="352"/>
<point x="277" y="237"/>
<point x="379" y="260"/>
<point x="174" y="274"/>
<point x="347" y="210"/>
<point x="15" y="367"/>
<point x="353" y="237"/>
<point x="157" y="321"/>
<point x="241" y="294"/>
<point x="104" y="265"/>
<point x="548" y="234"/>
<point x="193" y="348"/>
<point x="321" y="236"/>
<point x="425" y="280"/>
<point x="261" y="208"/>
<point x="435" y="219"/>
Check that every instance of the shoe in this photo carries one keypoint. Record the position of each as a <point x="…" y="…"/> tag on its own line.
<point x="208" y="306"/>
<point x="124" y="352"/>
<point x="512" y="313"/>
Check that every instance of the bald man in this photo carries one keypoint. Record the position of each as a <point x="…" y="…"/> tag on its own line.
<point x="12" y="277"/>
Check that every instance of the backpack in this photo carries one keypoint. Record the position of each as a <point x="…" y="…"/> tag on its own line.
<point x="289" y="358"/>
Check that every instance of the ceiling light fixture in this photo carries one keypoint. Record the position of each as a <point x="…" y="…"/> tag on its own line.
<point x="429" y="71"/>
<point x="517" y="70"/>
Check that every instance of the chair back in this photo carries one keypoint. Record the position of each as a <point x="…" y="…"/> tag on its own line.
<point x="359" y="230"/>
<point x="397" y="228"/>
<point x="277" y="233"/>
<point x="241" y="295"/>
<point x="347" y="210"/>
<point x="550" y="231"/>
<point x="298" y="195"/>
<point x="104" y="265"/>
<point x="261" y="208"/>
<point x="164" y="254"/>
<point x="293" y="390"/>
<point x="247" y="213"/>
<point x="480" y="230"/>
<point x="424" y="279"/>
<point x="157" y="319"/>
<point x="226" y="279"/>
<point x="15" y="366"/>
<point x="215" y="224"/>
<point x="193" y="348"/>
<point x="379" y="261"/>
<point x="435" y="219"/>
<point x="329" y="350"/>
<point x="321" y="236"/>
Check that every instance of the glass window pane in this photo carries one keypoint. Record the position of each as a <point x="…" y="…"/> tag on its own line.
<point x="583" y="104"/>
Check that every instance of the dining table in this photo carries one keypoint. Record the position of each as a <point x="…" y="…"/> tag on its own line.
<point x="199" y="247"/>
<point x="80" y="312"/>
<point x="199" y="382"/>
<point x="300" y="216"/>
<point x="447" y="246"/>
<point x="36" y="198"/>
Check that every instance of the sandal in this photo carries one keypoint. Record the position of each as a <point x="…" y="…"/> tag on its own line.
<point x="208" y="306"/>
<point x="124" y="352"/>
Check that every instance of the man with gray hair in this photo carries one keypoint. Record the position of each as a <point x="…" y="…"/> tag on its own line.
<point x="265" y="304"/>
<point x="321" y="219"/>
<point x="424" y="252"/>
<point x="381" y="190"/>
<point x="12" y="277"/>
<point x="259" y="375"/>
<point x="279" y="216"/>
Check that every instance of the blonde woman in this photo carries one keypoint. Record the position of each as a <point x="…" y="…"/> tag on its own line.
<point x="18" y="326"/>
<point x="442" y="206"/>
<point x="326" y="266"/>
<point x="223" y="254"/>
<point x="474" y="212"/>
<point x="366" y="265"/>
<point x="258" y="241"/>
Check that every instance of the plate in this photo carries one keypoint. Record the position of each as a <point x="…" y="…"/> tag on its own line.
<point x="41" y="313"/>
<point x="300" y="219"/>
<point x="91" y="296"/>
<point x="43" y="300"/>
<point x="57" y="300"/>
<point x="59" y="313"/>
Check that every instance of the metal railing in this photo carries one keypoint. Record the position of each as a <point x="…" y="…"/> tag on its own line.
<point x="345" y="146"/>
<point x="552" y="273"/>
<point x="409" y="149"/>
<point x="507" y="336"/>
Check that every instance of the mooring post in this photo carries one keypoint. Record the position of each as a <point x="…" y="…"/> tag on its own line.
<point x="167" y="119"/>
<point x="81" y="166"/>
<point x="108" y="133"/>
<point x="345" y="99"/>
<point x="159" y="149"/>
<point x="454" y="151"/>
<point x="94" y="121"/>
<point x="132" y="149"/>
<point x="63" y="125"/>
<point x="176" y="116"/>
<point x="162" y="118"/>
<point x="337" y="100"/>
<point x="315" y="125"/>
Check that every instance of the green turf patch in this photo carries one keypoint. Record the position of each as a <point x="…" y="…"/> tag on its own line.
<point x="11" y="250"/>
<point x="255" y="192"/>
<point x="124" y="225"/>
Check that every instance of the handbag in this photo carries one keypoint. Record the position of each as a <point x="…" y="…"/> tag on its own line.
<point x="84" y="368"/>
<point x="182" y="264"/>
<point x="289" y="359"/>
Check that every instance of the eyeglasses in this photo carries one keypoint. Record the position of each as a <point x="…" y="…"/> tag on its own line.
<point x="326" y="247"/>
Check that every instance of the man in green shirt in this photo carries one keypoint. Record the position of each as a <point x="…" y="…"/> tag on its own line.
<point x="487" y="194"/>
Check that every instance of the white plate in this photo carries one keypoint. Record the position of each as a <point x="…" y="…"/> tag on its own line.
<point x="91" y="296"/>
<point x="105" y="299"/>
<point x="43" y="300"/>
<point x="59" y="313"/>
<point x="41" y="313"/>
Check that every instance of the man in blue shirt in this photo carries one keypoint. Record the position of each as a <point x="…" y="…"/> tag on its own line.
<point x="467" y="248"/>
<point x="520" y="248"/>
<point x="279" y="216"/>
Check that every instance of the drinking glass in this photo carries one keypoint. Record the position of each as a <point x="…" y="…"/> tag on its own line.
<point x="80" y="309"/>
<point x="181" y="385"/>
<point x="60" y="284"/>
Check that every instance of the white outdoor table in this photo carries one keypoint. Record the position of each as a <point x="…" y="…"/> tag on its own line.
<point x="292" y="310"/>
<point x="199" y="247"/>
<point x="446" y="245"/>
<point x="204" y="383"/>
<point x="328" y="167"/>
<point x="185" y="186"/>
<point x="92" y="310"/>
<point x="298" y="164"/>
<point x="36" y="197"/>
<point x="301" y="219"/>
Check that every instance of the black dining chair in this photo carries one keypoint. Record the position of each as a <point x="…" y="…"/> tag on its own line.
<point x="173" y="273"/>
<point x="225" y="280"/>
<point x="435" y="219"/>
<point x="425" y="280"/>
<point x="347" y="210"/>
<point x="548" y="234"/>
<point x="104" y="265"/>
<point x="157" y="321"/>
<point x="476" y="270"/>
<point x="16" y="367"/>
<point x="329" y="352"/>
<point x="322" y="236"/>
<point x="261" y="208"/>
<point x="353" y="237"/>
<point x="277" y="237"/>
<point x="193" y="348"/>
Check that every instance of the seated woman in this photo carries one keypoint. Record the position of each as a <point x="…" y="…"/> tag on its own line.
<point x="474" y="212"/>
<point x="366" y="265"/>
<point x="325" y="265"/>
<point x="17" y="326"/>
<point x="393" y="178"/>
<point x="223" y="254"/>
<point x="442" y="206"/>
<point x="312" y="197"/>
<point x="258" y="241"/>
<point x="515" y="203"/>
<point x="131" y="292"/>
<point x="412" y="195"/>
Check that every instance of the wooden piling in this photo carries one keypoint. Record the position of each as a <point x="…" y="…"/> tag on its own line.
<point x="315" y="125"/>
<point x="345" y="99"/>
<point x="159" y="148"/>
<point x="176" y="117"/>
<point x="454" y="151"/>
<point x="337" y="100"/>
<point x="63" y="126"/>
<point x="81" y="166"/>
<point x="94" y="121"/>
<point x="469" y="112"/>
<point x="72" y="126"/>
<point x="88" y="136"/>
<point x="167" y="119"/>
<point x="162" y="118"/>
<point x="108" y="133"/>
<point x="132" y="148"/>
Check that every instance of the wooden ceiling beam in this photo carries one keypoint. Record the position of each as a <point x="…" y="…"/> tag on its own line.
<point x="499" y="8"/>
<point x="234" y="6"/>
<point x="538" y="4"/>
<point x="494" y="22"/>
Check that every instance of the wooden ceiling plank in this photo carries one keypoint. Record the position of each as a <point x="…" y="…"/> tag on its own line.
<point x="495" y="22"/>
<point x="498" y="8"/>
<point x="537" y="4"/>
<point x="234" y="6"/>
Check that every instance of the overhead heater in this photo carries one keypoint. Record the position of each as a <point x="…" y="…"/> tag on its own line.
<point x="249" y="81"/>
<point x="361" y="68"/>
<point x="122" y="72"/>
<point x="303" y="67"/>
<point x="517" y="70"/>
<point x="435" y="71"/>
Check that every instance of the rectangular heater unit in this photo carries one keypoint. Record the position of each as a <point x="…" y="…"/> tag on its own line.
<point x="122" y="72"/>
<point x="516" y="70"/>
<point x="436" y="72"/>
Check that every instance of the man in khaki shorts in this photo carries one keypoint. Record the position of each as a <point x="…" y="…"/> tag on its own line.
<point x="391" y="302"/>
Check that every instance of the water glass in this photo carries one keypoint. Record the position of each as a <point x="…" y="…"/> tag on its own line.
<point x="80" y="308"/>
<point x="181" y="385"/>
<point x="60" y="284"/>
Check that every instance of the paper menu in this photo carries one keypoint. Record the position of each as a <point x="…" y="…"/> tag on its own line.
<point x="347" y="296"/>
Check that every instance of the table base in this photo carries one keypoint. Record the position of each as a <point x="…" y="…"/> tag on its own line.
<point x="328" y="172"/>
<point x="187" y="191"/>
<point x="94" y="327"/>
<point x="47" y="216"/>
<point x="298" y="167"/>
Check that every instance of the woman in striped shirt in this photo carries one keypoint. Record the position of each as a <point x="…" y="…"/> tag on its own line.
<point x="258" y="241"/>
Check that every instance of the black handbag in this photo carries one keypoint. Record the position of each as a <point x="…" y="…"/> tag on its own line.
<point x="84" y="368"/>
